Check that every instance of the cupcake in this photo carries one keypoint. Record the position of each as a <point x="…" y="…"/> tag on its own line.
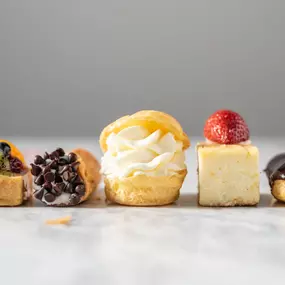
<point x="144" y="159"/>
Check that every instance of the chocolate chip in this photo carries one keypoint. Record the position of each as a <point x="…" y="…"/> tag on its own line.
<point x="76" y="180"/>
<point x="46" y="156"/>
<point x="64" y="169"/>
<point x="47" y="168"/>
<point x="36" y="170"/>
<point x="47" y="186"/>
<point x="59" y="187"/>
<point x="60" y="151"/>
<point x="80" y="189"/>
<point x="38" y="160"/>
<point x="62" y="161"/>
<point x="68" y="188"/>
<point x="75" y="165"/>
<point x="54" y="165"/>
<point x="58" y="179"/>
<point x="49" y="177"/>
<point x="74" y="199"/>
<point x="39" y="194"/>
<point x="39" y="180"/>
<point x="68" y="176"/>
<point x="54" y="155"/>
<point x="49" y="197"/>
<point x="72" y="157"/>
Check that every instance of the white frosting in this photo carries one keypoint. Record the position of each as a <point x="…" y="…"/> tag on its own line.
<point x="248" y="142"/>
<point x="136" y="151"/>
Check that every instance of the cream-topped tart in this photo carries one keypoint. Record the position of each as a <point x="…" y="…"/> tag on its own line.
<point x="144" y="159"/>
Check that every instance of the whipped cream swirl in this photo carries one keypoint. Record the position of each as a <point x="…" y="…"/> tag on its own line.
<point x="135" y="151"/>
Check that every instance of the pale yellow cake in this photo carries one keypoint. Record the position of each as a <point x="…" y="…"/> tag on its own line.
<point x="228" y="175"/>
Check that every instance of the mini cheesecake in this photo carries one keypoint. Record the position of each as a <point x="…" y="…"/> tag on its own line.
<point x="228" y="175"/>
<point x="228" y="165"/>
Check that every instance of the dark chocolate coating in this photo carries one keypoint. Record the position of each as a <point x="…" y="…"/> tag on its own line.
<point x="275" y="169"/>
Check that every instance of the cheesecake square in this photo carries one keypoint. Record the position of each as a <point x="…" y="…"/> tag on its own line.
<point x="228" y="175"/>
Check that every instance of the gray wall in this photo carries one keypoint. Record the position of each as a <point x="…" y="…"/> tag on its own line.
<point x="71" y="67"/>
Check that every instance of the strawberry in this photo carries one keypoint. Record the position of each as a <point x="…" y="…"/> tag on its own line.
<point x="226" y="127"/>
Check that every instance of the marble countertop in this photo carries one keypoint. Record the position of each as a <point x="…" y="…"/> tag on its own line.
<point x="178" y="244"/>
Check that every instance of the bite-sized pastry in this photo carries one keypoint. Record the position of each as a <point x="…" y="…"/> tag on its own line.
<point x="15" y="178"/>
<point x="65" y="179"/>
<point x="275" y="171"/>
<point x="144" y="159"/>
<point x="228" y="164"/>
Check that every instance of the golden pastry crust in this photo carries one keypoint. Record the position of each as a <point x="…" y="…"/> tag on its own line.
<point x="278" y="190"/>
<point x="15" y="189"/>
<point x="11" y="193"/>
<point x="152" y="120"/>
<point x="89" y="170"/>
<point x="60" y="221"/>
<point x="144" y="190"/>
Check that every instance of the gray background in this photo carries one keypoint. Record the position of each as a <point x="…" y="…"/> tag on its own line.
<point x="71" y="67"/>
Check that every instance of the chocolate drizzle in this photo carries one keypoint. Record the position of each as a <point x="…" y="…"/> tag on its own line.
<point x="55" y="174"/>
<point x="275" y="169"/>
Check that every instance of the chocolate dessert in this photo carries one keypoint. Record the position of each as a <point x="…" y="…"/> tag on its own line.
<point x="275" y="171"/>
<point x="58" y="180"/>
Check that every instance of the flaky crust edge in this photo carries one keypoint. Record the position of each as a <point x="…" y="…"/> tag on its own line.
<point x="89" y="170"/>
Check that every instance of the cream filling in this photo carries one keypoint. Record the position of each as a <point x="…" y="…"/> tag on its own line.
<point x="135" y="151"/>
<point x="62" y="199"/>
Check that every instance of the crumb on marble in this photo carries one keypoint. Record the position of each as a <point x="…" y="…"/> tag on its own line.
<point x="60" y="221"/>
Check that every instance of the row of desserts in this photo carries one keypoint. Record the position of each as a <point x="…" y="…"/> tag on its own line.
<point x="144" y="165"/>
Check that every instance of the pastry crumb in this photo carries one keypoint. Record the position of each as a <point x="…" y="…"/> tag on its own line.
<point x="60" y="221"/>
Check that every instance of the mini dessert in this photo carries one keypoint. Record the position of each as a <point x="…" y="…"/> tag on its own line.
<point x="144" y="160"/>
<point x="15" y="179"/>
<point x="275" y="171"/>
<point x="228" y="173"/>
<point x="62" y="179"/>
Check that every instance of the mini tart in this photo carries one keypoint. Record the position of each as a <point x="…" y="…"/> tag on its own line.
<point x="145" y="190"/>
<point x="15" y="188"/>
<point x="82" y="170"/>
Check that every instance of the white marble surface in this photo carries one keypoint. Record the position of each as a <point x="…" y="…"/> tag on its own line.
<point x="178" y="244"/>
